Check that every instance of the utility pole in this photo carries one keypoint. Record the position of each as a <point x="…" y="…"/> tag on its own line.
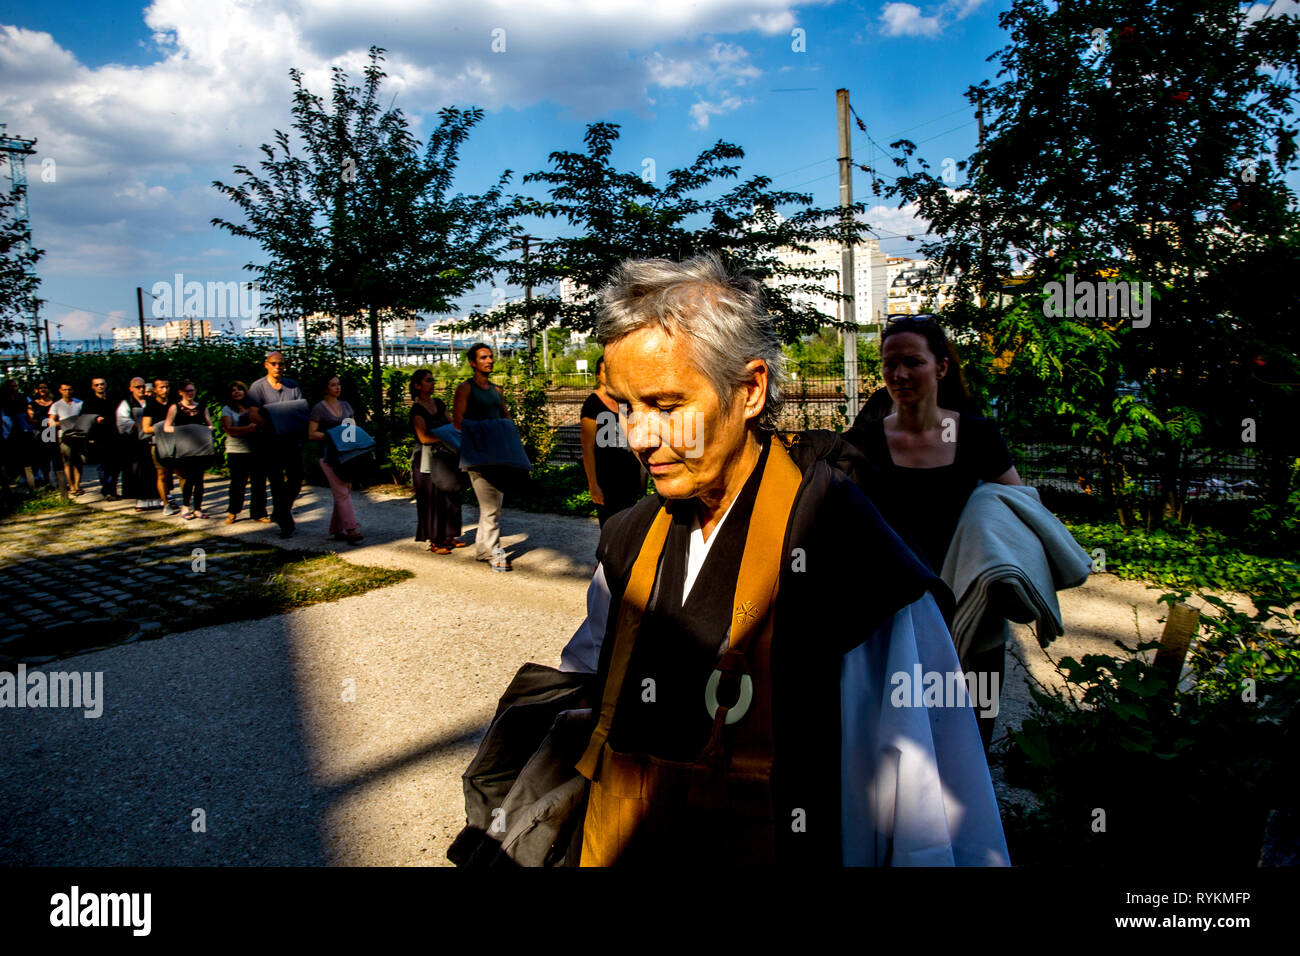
<point x="139" y="308"/>
<point x="528" y="308"/>
<point x="979" y="205"/>
<point x="847" y="284"/>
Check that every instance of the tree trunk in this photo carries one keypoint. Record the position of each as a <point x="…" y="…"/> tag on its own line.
<point x="377" y="391"/>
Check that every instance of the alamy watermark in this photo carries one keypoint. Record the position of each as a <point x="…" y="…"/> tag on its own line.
<point x="945" y="689"/>
<point x="206" y="300"/>
<point x="84" y="689"/>
<point x="677" y="429"/>
<point x="1090" y="299"/>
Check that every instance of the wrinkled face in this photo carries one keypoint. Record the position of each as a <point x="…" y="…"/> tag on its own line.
<point x="910" y="368"/>
<point x="483" y="361"/>
<point x="675" y="423"/>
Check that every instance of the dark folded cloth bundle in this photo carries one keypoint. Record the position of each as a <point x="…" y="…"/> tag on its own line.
<point x="349" y="441"/>
<point x="186" y="441"/>
<point x="288" y="419"/>
<point x="492" y="441"/>
<point x="77" y="427"/>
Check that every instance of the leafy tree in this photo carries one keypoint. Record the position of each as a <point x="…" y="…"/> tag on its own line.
<point x="18" y="280"/>
<point x="365" y="223"/>
<point x="1144" y="142"/>
<point x="621" y="215"/>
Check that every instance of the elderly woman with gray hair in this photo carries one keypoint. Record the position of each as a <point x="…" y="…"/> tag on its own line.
<point x="749" y="627"/>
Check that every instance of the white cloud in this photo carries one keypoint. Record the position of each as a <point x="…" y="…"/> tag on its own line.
<point x="136" y="147"/>
<point x="703" y="109"/>
<point x="907" y="19"/>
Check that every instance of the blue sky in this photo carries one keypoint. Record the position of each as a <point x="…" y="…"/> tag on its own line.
<point x="141" y="107"/>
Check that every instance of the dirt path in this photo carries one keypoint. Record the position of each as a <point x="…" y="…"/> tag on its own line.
<point x="337" y="733"/>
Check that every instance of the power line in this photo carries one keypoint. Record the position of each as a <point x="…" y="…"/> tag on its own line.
<point x="82" y="309"/>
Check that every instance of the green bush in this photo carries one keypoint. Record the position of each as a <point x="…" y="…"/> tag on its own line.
<point x="1192" y="558"/>
<point x="1129" y="770"/>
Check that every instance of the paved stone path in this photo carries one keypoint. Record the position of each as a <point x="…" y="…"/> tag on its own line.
<point x="73" y="579"/>
<point x="337" y="733"/>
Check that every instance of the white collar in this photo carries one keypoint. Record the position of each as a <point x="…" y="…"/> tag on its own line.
<point x="698" y="548"/>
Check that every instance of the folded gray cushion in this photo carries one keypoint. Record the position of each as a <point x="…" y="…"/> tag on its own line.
<point x="288" y="418"/>
<point x="187" y="441"/>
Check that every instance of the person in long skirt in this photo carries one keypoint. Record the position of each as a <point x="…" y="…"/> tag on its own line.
<point x="331" y="412"/>
<point x="438" y="520"/>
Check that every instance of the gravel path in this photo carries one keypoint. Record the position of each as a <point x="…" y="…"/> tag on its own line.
<point x="336" y="734"/>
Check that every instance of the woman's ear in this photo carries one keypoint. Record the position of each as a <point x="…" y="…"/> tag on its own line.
<point x="942" y="369"/>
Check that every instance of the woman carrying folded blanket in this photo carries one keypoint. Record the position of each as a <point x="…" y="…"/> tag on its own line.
<point x="438" y="508"/>
<point x="188" y="411"/>
<point x="931" y="451"/>
<point x="330" y="412"/>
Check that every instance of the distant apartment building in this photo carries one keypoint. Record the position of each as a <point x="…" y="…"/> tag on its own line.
<point x="870" y="284"/>
<point x="915" y="287"/>
<point x="173" y="330"/>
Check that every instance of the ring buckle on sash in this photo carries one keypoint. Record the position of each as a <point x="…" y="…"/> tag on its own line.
<point x="742" y="701"/>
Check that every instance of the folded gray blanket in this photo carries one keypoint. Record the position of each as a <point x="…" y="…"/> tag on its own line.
<point x="186" y="441"/>
<point x="1008" y="558"/>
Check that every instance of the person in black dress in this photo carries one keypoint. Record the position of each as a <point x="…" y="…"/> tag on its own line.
<point x="188" y="411"/>
<point x="46" y="457"/>
<point x="438" y="509"/>
<point x="615" y="478"/>
<point x="931" y="451"/>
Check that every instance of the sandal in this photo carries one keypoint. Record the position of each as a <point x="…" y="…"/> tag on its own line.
<point x="441" y="550"/>
<point x="187" y="514"/>
<point x="460" y="544"/>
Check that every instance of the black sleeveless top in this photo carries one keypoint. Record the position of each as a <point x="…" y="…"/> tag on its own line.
<point x="184" y="417"/>
<point x="924" y="504"/>
<point x="432" y="420"/>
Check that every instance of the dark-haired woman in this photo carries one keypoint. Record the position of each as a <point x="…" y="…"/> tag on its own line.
<point x="331" y="412"/>
<point x="188" y="411"/>
<point x="242" y="459"/>
<point x="46" y="457"/>
<point x="932" y="450"/>
<point x="438" y="510"/>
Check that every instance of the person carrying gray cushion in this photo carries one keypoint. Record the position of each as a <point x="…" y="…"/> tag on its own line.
<point x="282" y="450"/>
<point x="478" y="399"/>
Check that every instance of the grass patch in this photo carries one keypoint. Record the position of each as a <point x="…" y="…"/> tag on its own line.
<point x="306" y="579"/>
<point x="156" y="579"/>
<point x="45" y="499"/>
<point x="1191" y="558"/>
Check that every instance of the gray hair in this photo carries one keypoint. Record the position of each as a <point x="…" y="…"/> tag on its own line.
<point x="723" y="318"/>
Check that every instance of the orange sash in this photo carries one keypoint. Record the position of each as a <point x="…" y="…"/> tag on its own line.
<point x="730" y="780"/>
